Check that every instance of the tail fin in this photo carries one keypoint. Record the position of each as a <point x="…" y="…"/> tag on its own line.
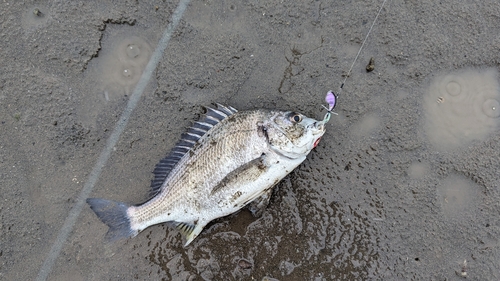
<point x="113" y="214"/>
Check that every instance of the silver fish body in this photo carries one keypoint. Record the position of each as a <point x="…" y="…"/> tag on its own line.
<point x="223" y="163"/>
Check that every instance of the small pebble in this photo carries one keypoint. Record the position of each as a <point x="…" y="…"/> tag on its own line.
<point x="371" y="65"/>
<point x="244" y="264"/>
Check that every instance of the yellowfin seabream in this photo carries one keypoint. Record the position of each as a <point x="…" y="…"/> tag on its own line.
<point x="226" y="161"/>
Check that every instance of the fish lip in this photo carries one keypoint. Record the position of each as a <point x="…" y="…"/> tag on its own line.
<point x="316" y="142"/>
<point x="318" y="127"/>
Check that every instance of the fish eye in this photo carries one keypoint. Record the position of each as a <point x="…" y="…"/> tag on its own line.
<point x="296" y="118"/>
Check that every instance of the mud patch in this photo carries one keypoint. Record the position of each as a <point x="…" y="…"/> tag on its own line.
<point x="462" y="107"/>
<point x="298" y="232"/>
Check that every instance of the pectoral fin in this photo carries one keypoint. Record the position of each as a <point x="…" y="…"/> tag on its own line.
<point x="257" y="206"/>
<point x="247" y="172"/>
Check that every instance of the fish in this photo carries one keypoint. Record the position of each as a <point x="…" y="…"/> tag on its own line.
<point x="226" y="161"/>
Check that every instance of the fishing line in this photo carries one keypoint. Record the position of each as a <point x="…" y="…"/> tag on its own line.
<point x="331" y="97"/>
<point x="361" y="48"/>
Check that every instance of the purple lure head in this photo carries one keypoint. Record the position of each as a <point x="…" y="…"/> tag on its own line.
<point x="331" y="99"/>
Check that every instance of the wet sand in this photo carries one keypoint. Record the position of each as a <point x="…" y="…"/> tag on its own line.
<point x="404" y="185"/>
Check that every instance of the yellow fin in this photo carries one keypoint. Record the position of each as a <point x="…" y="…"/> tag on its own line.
<point x="185" y="228"/>
<point x="189" y="230"/>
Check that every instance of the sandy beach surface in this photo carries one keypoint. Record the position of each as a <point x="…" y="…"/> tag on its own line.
<point x="404" y="185"/>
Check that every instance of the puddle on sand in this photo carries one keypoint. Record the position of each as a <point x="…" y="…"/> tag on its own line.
<point x="458" y="195"/>
<point x="115" y="72"/>
<point x="418" y="170"/>
<point x="122" y="68"/>
<point x="462" y="107"/>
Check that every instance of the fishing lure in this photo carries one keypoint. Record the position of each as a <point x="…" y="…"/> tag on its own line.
<point x="331" y="99"/>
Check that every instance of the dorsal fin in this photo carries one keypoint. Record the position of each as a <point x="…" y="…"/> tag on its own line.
<point x="188" y="140"/>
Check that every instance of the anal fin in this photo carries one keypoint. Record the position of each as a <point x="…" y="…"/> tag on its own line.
<point x="189" y="230"/>
<point x="185" y="228"/>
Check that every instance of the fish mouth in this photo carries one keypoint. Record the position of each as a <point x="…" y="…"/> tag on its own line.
<point x="318" y="128"/>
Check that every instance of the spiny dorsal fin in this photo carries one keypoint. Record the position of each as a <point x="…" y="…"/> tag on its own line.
<point x="188" y="140"/>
